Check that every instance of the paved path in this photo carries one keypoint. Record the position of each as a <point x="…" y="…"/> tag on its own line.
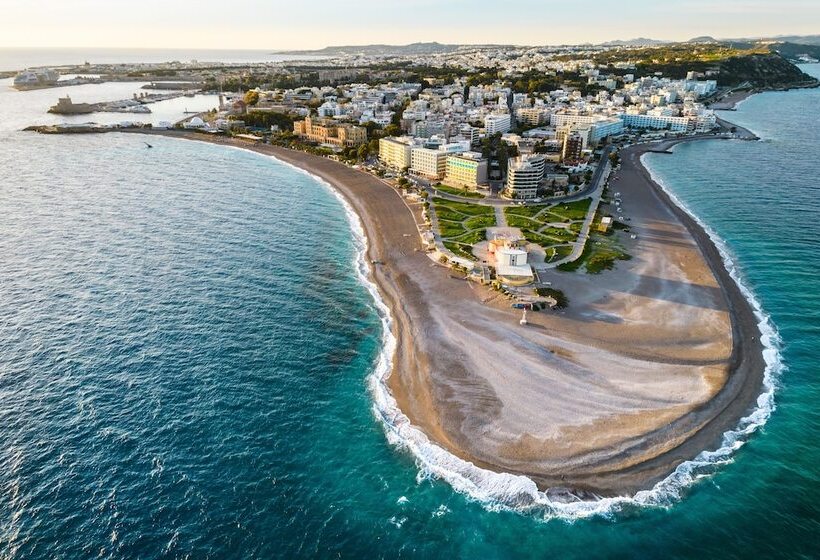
<point x="500" y="218"/>
<point x="598" y="182"/>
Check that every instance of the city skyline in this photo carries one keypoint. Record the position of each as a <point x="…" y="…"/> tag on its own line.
<point x="251" y="25"/>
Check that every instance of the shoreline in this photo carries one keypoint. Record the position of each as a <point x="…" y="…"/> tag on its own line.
<point x="414" y="365"/>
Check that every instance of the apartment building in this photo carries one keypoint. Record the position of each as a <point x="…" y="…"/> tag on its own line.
<point x="497" y="123"/>
<point x="532" y="116"/>
<point x="524" y="176"/>
<point x="573" y="148"/>
<point x="467" y="170"/>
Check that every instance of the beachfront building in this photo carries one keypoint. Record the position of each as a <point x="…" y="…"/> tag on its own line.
<point x="396" y="152"/>
<point x="657" y="122"/>
<point x="468" y="170"/>
<point x="605" y="128"/>
<point x="431" y="162"/>
<point x="428" y="162"/>
<point x="510" y="260"/>
<point x="326" y="132"/>
<point x="497" y="123"/>
<point x="524" y="176"/>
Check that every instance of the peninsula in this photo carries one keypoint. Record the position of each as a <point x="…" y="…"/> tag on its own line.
<point x="650" y="364"/>
<point x="556" y="314"/>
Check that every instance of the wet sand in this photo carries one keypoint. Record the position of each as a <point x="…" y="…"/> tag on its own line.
<point x="649" y="366"/>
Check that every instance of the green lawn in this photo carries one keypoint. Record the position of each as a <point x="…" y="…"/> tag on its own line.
<point x="559" y="252"/>
<point x="522" y="222"/>
<point x="450" y="229"/>
<point x="459" y="191"/>
<point x="462" y="225"/>
<point x="464" y="207"/>
<point x="533" y="220"/>
<point x="600" y="253"/>
<point x="528" y="211"/>
<point x="459" y="249"/>
<point x="571" y="210"/>
<point x="472" y="237"/>
<point x="479" y="222"/>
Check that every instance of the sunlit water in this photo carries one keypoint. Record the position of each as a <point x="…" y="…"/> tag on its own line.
<point x="186" y="347"/>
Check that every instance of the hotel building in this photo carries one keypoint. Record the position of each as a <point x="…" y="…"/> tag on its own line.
<point x="466" y="170"/>
<point x="524" y="176"/>
<point x="395" y="152"/>
<point x="432" y="162"/>
<point x="323" y="132"/>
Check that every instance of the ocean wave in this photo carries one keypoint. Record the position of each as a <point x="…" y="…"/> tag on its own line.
<point x="508" y="492"/>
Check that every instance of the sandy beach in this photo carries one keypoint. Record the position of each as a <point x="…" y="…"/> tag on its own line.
<point x="650" y="365"/>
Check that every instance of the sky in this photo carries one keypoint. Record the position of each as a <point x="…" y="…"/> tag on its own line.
<point x="307" y="24"/>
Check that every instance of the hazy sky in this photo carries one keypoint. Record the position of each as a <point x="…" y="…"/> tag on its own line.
<point x="276" y="24"/>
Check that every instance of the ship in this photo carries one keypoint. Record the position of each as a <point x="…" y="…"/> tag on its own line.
<point x="36" y="78"/>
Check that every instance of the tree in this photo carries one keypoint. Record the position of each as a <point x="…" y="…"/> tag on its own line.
<point x="373" y="146"/>
<point x="252" y="97"/>
<point x="363" y="152"/>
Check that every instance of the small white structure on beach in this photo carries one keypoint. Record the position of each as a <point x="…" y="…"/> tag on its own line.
<point x="511" y="265"/>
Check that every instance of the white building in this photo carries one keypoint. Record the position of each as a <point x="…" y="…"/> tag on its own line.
<point x="511" y="265"/>
<point x="497" y="123"/>
<point x="524" y="176"/>
<point x="432" y="162"/>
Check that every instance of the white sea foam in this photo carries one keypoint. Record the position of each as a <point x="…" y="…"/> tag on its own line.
<point x="505" y="491"/>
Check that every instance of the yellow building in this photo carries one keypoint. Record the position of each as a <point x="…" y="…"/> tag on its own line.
<point x="466" y="170"/>
<point x="395" y="152"/>
<point x="324" y="132"/>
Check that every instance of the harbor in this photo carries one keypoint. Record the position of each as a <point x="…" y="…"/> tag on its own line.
<point x="137" y="104"/>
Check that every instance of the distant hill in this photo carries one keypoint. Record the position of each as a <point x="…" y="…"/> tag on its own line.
<point x="383" y="50"/>
<point x="795" y="51"/>
<point x="800" y="39"/>
<point x="638" y="42"/>
<point x="703" y="39"/>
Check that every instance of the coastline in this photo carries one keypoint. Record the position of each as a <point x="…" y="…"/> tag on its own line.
<point x="422" y="353"/>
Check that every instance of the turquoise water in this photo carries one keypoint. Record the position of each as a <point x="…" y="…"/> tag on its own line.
<point x="186" y="349"/>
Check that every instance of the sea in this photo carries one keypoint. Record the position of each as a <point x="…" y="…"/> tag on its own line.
<point x="20" y="58"/>
<point x="189" y="353"/>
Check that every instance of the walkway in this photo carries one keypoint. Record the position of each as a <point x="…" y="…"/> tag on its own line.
<point x="578" y="245"/>
<point x="500" y="218"/>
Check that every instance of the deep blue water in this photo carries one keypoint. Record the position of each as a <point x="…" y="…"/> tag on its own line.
<point x="185" y="346"/>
